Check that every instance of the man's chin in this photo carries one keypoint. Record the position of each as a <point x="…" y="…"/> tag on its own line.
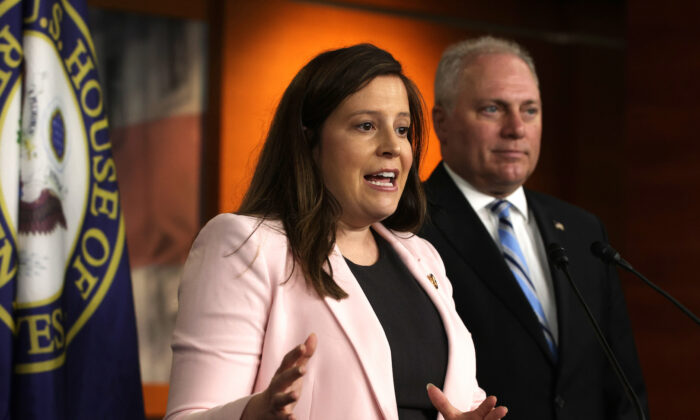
<point x="505" y="187"/>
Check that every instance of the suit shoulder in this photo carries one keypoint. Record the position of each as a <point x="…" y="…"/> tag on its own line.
<point x="561" y="207"/>
<point x="436" y="179"/>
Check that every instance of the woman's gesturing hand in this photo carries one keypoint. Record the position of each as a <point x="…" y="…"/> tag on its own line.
<point x="486" y="411"/>
<point x="280" y="397"/>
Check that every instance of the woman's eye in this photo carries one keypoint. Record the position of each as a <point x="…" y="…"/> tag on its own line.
<point x="365" y="126"/>
<point x="402" y="131"/>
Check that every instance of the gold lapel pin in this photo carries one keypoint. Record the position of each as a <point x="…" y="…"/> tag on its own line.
<point x="559" y="226"/>
<point x="433" y="280"/>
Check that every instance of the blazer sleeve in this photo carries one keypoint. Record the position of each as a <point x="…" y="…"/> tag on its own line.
<point x="224" y="299"/>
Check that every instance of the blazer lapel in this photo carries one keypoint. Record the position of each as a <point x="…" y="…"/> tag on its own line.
<point x="364" y="331"/>
<point x="478" y="249"/>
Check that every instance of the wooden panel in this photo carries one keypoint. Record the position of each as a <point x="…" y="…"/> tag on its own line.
<point x="173" y="8"/>
<point x="601" y="18"/>
<point x="663" y="176"/>
<point x="535" y="15"/>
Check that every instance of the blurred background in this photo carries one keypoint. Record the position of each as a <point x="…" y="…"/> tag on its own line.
<point x="191" y="88"/>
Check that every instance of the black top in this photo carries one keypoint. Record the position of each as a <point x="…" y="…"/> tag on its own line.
<point x="413" y="327"/>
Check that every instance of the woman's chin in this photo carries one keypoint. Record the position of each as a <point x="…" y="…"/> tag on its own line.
<point x="367" y="217"/>
<point x="382" y="213"/>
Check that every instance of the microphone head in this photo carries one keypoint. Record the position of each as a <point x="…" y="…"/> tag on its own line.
<point x="605" y="252"/>
<point x="557" y="254"/>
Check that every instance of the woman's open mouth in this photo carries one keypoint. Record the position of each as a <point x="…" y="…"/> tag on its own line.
<point x="383" y="180"/>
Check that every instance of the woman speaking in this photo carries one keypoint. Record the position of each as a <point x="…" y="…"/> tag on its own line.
<point x="314" y="300"/>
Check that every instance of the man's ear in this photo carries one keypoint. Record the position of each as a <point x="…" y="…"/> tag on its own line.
<point x="440" y="121"/>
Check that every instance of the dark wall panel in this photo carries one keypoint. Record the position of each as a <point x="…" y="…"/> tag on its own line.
<point x="663" y="177"/>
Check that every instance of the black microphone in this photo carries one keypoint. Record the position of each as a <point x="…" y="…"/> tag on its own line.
<point x="608" y="254"/>
<point x="558" y="257"/>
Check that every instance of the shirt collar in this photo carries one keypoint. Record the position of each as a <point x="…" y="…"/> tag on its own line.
<point x="479" y="200"/>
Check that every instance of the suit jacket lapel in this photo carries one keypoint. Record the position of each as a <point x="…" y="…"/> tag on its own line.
<point x="364" y="331"/>
<point x="553" y="231"/>
<point x="478" y="249"/>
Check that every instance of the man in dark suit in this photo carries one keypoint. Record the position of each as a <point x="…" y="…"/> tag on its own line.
<point x="536" y="350"/>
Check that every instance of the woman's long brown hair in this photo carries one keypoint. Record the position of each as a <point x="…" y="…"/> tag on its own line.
<point x="287" y="184"/>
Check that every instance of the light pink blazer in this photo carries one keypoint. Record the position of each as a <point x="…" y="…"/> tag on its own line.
<point x="238" y="317"/>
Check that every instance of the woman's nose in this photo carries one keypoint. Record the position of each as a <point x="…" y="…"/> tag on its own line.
<point x="390" y="144"/>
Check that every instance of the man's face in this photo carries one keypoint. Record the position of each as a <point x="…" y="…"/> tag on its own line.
<point x="492" y="136"/>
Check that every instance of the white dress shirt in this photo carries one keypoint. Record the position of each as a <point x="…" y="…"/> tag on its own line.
<point x="529" y="239"/>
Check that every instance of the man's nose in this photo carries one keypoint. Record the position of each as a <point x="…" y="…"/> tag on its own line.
<point x="513" y="126"/>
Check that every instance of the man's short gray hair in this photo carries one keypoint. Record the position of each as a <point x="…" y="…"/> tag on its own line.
<point x="458" y="56"/>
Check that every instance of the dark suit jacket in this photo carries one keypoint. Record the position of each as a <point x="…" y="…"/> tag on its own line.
<point x="513" y="360"/>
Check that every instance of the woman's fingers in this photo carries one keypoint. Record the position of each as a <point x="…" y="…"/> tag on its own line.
<point x="293" y="365"/>
<point x="309" y="347"/>
<point x="291" y="358"/>
<point x="497" y="413"/>
<point x="440" y="401"/>
<point x="487" y="410"/>
<point x="486" y="406"/>
<point x="280" y="397"/>
<point x="283" y="380"/>
<point x="299" y="354"/>
<point x="281" y="400"/>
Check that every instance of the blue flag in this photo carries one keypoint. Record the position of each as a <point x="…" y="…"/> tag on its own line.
<point x="68" y="346"/>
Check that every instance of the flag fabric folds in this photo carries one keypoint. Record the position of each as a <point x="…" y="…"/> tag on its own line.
<point x="68" y="347"/>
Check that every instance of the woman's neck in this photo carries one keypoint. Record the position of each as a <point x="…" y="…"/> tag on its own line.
<point x="357" y="244"/>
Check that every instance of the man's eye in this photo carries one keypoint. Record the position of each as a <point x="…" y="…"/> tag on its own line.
<point x="532" y="111"/>
<point x="491" y="109"/>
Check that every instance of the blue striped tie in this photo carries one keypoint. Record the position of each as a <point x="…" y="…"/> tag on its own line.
<point x="516" y="262"/>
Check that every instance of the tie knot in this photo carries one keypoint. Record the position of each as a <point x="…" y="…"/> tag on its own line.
<point x="500" y="208"/>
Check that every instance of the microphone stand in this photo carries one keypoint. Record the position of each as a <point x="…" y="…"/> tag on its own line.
<point x="609" y="255"/>
<point x="557" y="254"/>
